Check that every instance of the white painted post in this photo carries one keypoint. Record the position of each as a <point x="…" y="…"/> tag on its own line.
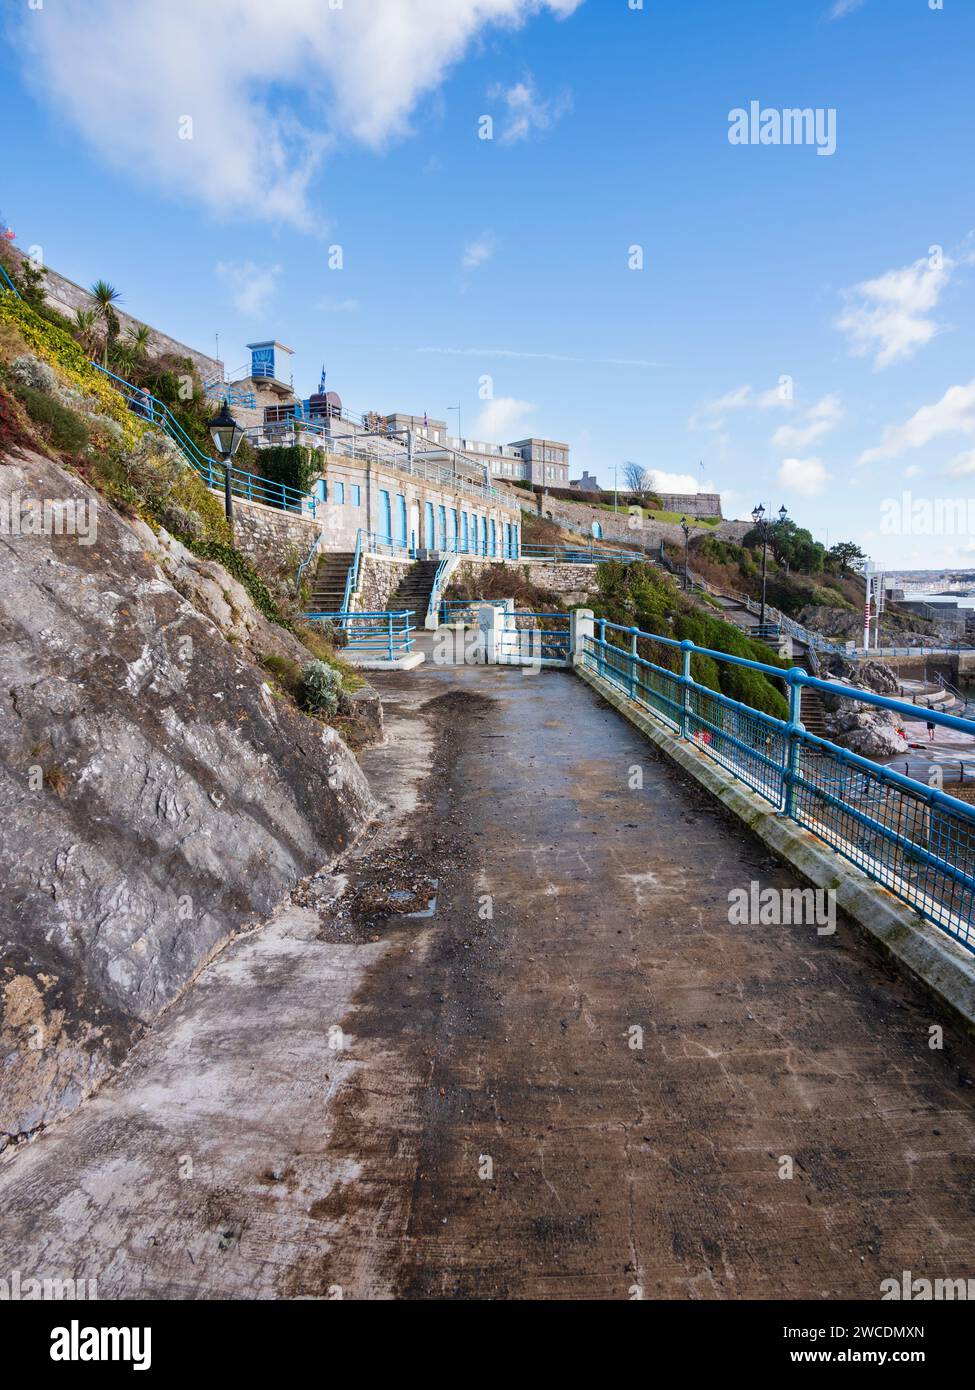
<point x="581" y="630"/>
<point x="488" y="621"/>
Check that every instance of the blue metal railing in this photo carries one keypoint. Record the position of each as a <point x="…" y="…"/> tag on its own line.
<point x="533" y="637"/>
<point x="382" y="635"/>
<point x="461" y="610"/>
<point x="245" y="485"/>
<point x="378" y="544"/>
<point x="579" y="555"/>
<point x="7" y="283"/>
<point x="352" y="577"/>
<point x="916" y="840"/>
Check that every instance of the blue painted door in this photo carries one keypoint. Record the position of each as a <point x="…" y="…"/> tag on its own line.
<point x="441" y="528"/>
<point x="338" y="494"/>
<point x="597" y="531"/>
<point x="385" y="518"/>
<point x="399" y="535"/>
<point x="464" y="532"/>
<point x="494" y="538"/>
<point x="452" y="529"/>
<point x="484" y="549"/>
<point x="429" y="541"/>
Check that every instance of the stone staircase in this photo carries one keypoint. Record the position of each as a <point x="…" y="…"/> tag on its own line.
<point x="414" y="591"/>
<point x="328" y="582"/>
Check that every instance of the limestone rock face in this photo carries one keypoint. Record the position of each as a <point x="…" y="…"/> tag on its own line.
<point x="157" y="798"/>
<point x="873" y="733"/>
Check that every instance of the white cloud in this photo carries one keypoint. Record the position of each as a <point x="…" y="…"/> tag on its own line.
<point x="477" y="252"/>
<point x="502" y="420"/>
<point x="269" y="87"/>
<point x="251" y="286"/>
<point x="711" y="415"/>
<point x="953" y="414"/>
<point x="677" y="482"/>
<point x="962" y="465"/>
<point x="841" y="8"/>
<point x="805" y="476"/>
<point x="823" y="417"/>
<point x="892" y="318"/>
<point x="526" y="111"/>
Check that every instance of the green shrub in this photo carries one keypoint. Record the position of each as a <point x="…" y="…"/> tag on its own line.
<point x="320" y="687"/>
<point x="291" y="464"/>
<point x="60" y="426"/>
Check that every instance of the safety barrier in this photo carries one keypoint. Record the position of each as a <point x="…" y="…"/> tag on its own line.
<point x="244" y="485"/>
<point x="916" y="840"/>
<point x="579" y="555"/>
<point x="533" y="638"/>
<point x="383" y="635"/>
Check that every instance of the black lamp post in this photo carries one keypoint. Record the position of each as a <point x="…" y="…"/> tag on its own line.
<point x="760" y="520"/>
<point x="687" y="534"/>
<point x="226" y="434"/>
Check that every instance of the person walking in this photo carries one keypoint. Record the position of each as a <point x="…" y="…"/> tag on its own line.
<point x="930" y="731"/>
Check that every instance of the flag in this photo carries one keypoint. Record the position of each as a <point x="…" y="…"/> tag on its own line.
<point x="321" y="384"/>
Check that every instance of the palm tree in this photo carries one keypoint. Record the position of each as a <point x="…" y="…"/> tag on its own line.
<point x="140" y="340"/>
<point x="84" y="328"/>
<point x="105" y="295"/>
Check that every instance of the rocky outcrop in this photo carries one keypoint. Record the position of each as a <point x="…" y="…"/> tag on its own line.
<point x="158" y="796"/>
<point x="873" y="733"/>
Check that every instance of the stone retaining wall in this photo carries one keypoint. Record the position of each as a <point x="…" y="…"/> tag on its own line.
<point x="266" y="534"/>
<point x="379" y="578"/>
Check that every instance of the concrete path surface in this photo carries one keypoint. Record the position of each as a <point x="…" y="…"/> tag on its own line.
<point x="518" y="1050"/>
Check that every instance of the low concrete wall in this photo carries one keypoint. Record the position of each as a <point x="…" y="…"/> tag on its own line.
<point x="931" y="957"/>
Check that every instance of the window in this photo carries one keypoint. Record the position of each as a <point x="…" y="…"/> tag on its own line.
<point x="356" y="492"/>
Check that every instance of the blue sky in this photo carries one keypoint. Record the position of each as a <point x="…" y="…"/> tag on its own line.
<point x="790" y="327"/>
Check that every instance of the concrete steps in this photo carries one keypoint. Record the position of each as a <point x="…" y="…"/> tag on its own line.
<point x="414" y="590"/>
<point x="328" y="582"/>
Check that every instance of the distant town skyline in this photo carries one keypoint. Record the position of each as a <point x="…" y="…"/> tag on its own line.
<point x="733" y="244"/>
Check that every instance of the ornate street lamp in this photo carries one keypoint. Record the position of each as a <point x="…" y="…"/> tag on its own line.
<point x="687" y="534"/>
<point x="762" y="523"/>
<point x="226" y="434"/>
<point x="758" y="516"/>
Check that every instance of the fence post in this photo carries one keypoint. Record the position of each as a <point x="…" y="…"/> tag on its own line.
<point x="601" y="658"/>
<point x="390" y="634"/>
<point x="488" y="616"/>
<point x="635" y="631"/>
<point x="686" y="683"/>
<point x="794" y="730"/>
<point x="580" y="632"/>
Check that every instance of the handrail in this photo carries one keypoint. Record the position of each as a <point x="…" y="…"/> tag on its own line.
<point x="8" y="282"/>
<point x="917" y="840"/>
<point x="386" y="633"/>
<point x="352" y="577"/>
<point x="243" y="484"/>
